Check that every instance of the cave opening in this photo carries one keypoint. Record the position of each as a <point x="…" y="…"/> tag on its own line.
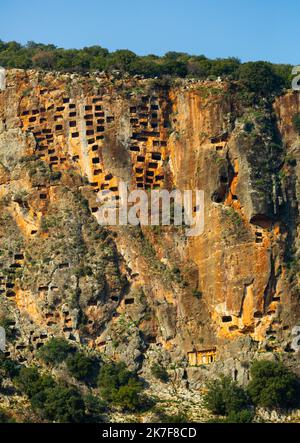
<point x="226" y="318"/>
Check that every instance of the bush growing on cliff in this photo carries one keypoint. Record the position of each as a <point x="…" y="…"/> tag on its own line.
<point x="55" y="351"/>
<point x="52" y="401"/>
<point x="272" y="385"/>
<point x="31" y="382"/>
<point x="95" y="407"/>
<point x="63" y="405"/>
<point x="224" y="397"/>
<point x="82" y="367"/>
<point x="8" y="367"/>
<point x="120" y="386"/>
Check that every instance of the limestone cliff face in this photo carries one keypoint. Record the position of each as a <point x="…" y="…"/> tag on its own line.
<point x="219" y="298"/>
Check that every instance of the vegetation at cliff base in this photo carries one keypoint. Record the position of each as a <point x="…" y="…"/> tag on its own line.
<point x="225" y="397"/>
<point x="120" y="386"/>
<point x="272" y="385"/>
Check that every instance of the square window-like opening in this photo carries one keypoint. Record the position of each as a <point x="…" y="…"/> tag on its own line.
<point x="226" y="318"/>
<point x="152" y="165"/>
<point x="156" y="155"/>
<point x="129" y="301"/>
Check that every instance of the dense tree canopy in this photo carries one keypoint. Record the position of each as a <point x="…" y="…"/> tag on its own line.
<point x="259" y="77"/>
<point x="273" y="385"/>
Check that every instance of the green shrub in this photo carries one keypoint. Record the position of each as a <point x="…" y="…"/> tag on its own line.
<point x="95" y="407"/>
<point x="95" y="58"/>
<point x="159" y="372"/>
<point x="52" y="401"/>
<point x="31" y="382"/>
<point x="260" y="78"/>
<point x="243" y="416"/>
<point x="224" y="396"/>
<point x="120" y="386"/>
<point x="81" y="366"/>
<point x="55" y="351"/>
<point x="8" y="367"/>
<point x="272" y="385"/>
<point x="63" y="405"/>
<point x="128" y="395"/>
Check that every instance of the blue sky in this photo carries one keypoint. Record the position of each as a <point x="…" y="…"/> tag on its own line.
<point x="248" y="29"/>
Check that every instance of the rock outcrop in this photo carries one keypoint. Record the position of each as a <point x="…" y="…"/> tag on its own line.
<point x="219" y="299"/>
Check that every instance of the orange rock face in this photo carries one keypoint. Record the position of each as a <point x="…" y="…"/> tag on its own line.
<point x="194" y="296"/>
